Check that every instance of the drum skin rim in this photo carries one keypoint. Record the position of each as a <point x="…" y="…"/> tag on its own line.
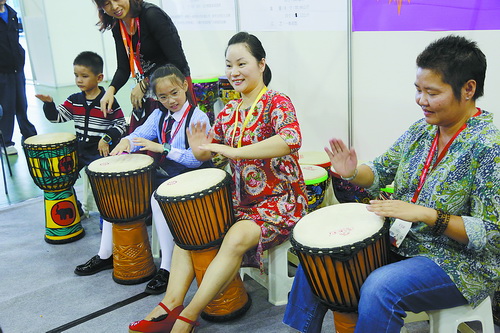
<point x="162" y="198"/>
<point x="345" y="252"/>
<point x="51" y="145"/>
<point x="123" y="173"/>
<point x="205" y="80"/>
<point x="316" y="180"/>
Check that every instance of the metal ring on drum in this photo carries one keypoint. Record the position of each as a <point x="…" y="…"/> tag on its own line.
<point x="198" y="208"/>
<point x="53" y="164"/>
<point x="122" y="186"/>
<point x="338" y="247"/>
<point x="206" y="90"/>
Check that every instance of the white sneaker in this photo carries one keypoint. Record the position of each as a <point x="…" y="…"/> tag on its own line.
<point x="11" y="150"/>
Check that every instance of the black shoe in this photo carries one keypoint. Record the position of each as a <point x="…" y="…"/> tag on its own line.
<point x="149" y="219"/>
<point x="158" y="283"/>
<point x="94" y="265"/>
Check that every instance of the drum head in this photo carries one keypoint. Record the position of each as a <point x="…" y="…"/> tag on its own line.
<point x="120" y="163"/>
<point x="49" y="138"/>
<point x="319" y="158"/>
<point x="313" y="174"/>
<point x="191" y="182"/>
<point x="337" y="226"/>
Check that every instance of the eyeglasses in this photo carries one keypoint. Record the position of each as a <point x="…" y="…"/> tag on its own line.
<point x="165" y="97"/>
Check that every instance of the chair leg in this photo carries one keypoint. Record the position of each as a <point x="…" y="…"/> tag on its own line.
<point x="5" y="152"/>
<point x="3" y="172"/>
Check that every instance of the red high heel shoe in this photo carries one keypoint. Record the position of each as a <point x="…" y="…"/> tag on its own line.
<point x="190" y="322"/>
<point x="163" y="323"/>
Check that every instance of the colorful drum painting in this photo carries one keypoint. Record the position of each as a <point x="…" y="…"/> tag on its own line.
<point x="53" y="164"/>
<point x="316" y="179"/>
<point x="320" y="159"/>
<point x="206" y="91"/>
<point x="226" y="90"/>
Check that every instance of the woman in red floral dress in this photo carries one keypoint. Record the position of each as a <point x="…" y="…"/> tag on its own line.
<point x="260" y="136"/>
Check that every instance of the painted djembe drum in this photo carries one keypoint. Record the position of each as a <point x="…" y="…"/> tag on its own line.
<point x="206" y="90"/>
<point x="122" y="186"/>
<point x="226" y="90"/>
<point x="198" y="208"/>
<point x="320" y="159"/>
<point x="338" y="247"/>
<point x="53" y="165"/>
<point x="316" y="179"/>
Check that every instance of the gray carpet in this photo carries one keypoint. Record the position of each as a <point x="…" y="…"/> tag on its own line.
<point x="40" y="293"/>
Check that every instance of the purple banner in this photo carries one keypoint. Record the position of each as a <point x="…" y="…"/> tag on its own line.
<point x="425" y="15"/>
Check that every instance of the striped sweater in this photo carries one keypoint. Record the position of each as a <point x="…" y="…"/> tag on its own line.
<point x="90" y="123"/>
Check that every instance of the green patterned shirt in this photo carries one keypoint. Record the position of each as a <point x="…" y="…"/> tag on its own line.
<point x="466" y="183"/>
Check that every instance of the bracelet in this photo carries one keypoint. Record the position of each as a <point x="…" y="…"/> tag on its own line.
<point x="352" y="177"/>
<point x="144" y="86"/>
<point x="441" y="222"/>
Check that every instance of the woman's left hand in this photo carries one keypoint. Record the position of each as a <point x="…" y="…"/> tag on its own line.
<point x="400" y="210"/>
<point x="136" y="97"/>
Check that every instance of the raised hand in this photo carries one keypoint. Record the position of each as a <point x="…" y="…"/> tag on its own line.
<point x="343" y="159"/>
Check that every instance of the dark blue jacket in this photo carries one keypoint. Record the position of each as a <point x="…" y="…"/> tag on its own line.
<point x="11" y="52"/>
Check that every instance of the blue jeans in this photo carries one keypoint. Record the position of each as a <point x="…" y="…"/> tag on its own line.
<point x="415" y="284"/>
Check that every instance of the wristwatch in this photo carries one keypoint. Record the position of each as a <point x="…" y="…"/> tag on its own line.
<point x="166" y="148"/>
<point x="106" y="138"/>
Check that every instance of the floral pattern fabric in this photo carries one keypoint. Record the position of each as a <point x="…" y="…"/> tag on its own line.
<point x="465" y="183"/>
<point x="271" y="191"/>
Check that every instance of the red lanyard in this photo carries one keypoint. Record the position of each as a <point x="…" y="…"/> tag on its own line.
<point x="430" y="156"/>
<point x="164" y="130"/>
<point x="127" y="42"/>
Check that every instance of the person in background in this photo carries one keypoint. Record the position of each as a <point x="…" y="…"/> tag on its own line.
<point x="260" y="135"/>
<point x="145" y="39"/>
<point x="446" y="173"/>
<point x="96" y="133"/>
<point x="167" y="125"/>
<point x="12" y="79"/>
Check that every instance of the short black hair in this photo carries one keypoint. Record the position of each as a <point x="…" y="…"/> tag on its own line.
<point x="91" y="60"/>
<point x="457" y="60"/>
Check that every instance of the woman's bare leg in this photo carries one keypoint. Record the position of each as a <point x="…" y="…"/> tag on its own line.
<point x="181" y="277"/>
<point x="241" y="237"/>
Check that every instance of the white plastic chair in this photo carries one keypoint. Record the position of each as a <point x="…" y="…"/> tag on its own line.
<point x="453" y="319"/>
<point x="276" y="281"/>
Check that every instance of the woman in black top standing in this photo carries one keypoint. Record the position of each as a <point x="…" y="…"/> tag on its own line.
<point x="145" y="39"/>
